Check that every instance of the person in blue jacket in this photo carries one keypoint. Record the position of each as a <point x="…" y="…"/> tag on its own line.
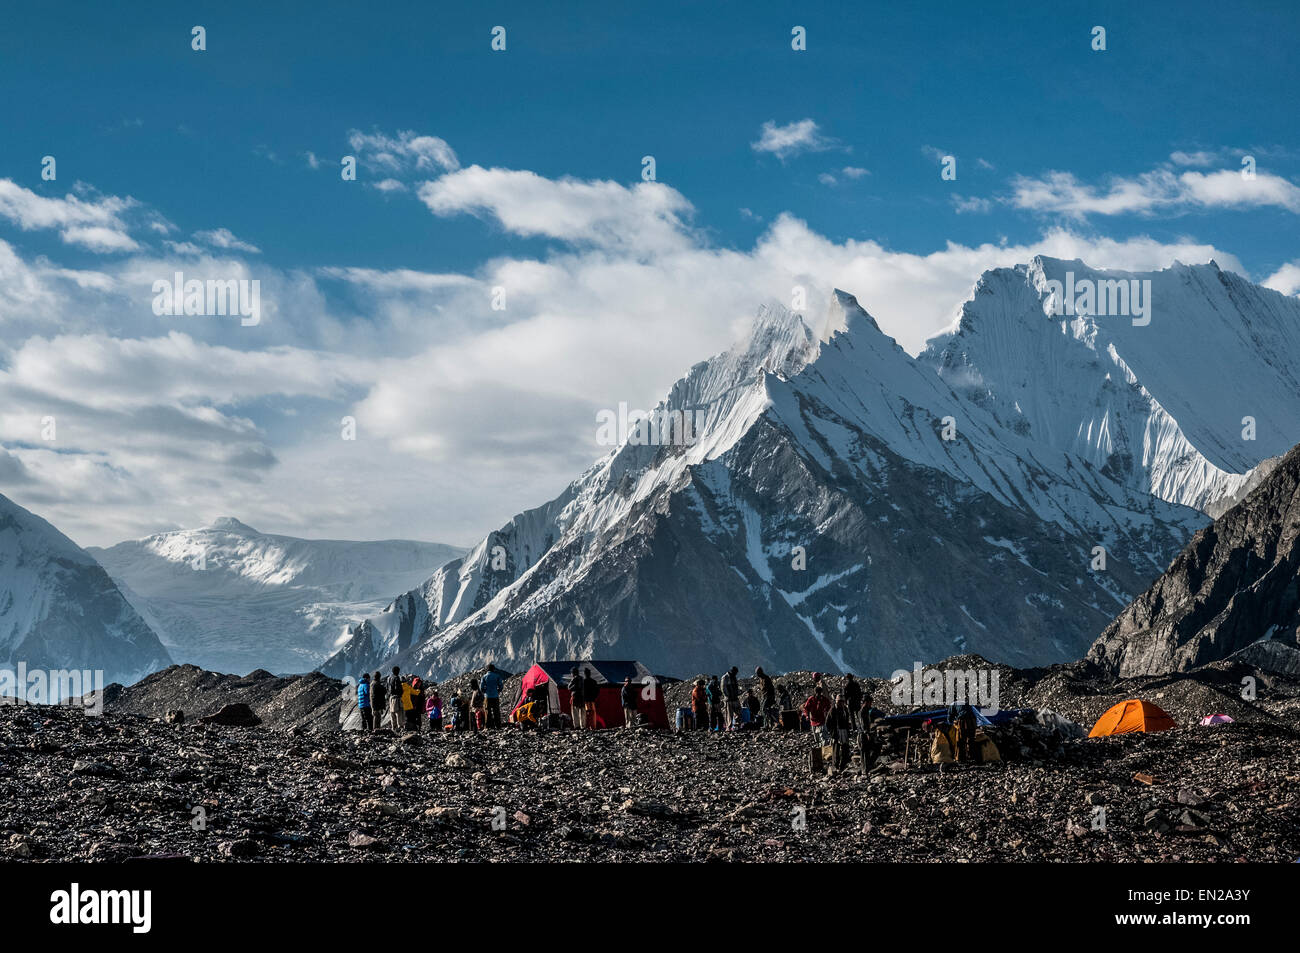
<point x="363" y="703"/>
<point x="491" y="688"/>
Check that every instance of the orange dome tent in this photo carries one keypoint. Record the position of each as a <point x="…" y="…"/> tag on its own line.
<point x="1131" y="715"/>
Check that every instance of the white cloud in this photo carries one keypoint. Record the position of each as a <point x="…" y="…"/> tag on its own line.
<point x="855" y="172"/>
<point x="166" y="421"/>
<point x="225" y="239"/>
<point x="405" y="152"/>
<point x="645" y="217"/>
<point x="791" y="139"/>
<point x="971" y="203"/>
<point x="1158" y="190"/>
<point x="94" y="222"/>
<point x="1199" y="158"/>
<point x="1286" y="279"/>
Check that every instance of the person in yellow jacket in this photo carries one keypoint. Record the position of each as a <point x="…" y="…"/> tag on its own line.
<point x="407" y="706"/>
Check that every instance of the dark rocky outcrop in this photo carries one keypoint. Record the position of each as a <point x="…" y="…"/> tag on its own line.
<point x="1235" y="584"/>
<point x="311" y="701"/>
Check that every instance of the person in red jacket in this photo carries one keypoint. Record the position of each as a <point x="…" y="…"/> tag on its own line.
<point x="815" y="710"/>
<point x="700" y="704"/>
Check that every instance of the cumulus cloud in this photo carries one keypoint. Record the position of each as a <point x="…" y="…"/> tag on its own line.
<point x="1286" y="279"/>
<point x="93" y="222"/>
<point x="483" y="412"/>
<point x="791" y="139"/>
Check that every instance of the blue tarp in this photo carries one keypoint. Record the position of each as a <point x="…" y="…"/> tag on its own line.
<point x="982" y="716"/>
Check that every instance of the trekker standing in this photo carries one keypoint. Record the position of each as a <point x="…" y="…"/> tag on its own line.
<point x="629" y="693"/>
<point x="478" y="706"/>
<point x="407" y="705"/>
<point x="377" y="699"/>
<point x="700" y="704"/>
<point x="731" y="693"/>
<point x="590" y="695"/>
<point x="433" y="709"/>
<point x="492" y="692"/>
<point x="866" y="744"/>
<point x="416" y="715"/>
<point x="852" y="697"/>
<point x="363" y="703"/>
<point x="767" y="692"/>
<point x="396" y="692"/>
<point x="815" y="709"/>
<point x="577" y="703"/>
<point x="837" y="726"/>
<point x="714" y="692"/>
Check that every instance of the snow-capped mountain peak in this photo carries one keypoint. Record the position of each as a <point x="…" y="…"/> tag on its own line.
<point x="60" y="610"/>
<point x="228" y="597"/>
<point x="829" y="465"/>
<point x="1176" y="382"/>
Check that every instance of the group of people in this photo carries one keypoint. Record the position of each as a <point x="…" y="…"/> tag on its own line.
<point x="411" y="704"/>
<point x="584" y="709"/>
<point x="717" y="704"/>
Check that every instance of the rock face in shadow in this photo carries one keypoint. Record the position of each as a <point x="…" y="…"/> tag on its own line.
<point x="279" y="702"/>
<point x="1234" y="585"/>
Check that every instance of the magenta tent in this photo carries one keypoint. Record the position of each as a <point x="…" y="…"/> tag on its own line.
<point x="1217" y="720"/>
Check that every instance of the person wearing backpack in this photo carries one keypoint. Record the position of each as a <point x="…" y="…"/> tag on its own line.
<point x="363" y="703"/>
<point x="577" y="698"/>
<point x="396" y="690"/>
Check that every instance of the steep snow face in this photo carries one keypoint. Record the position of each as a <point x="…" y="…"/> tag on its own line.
<point x="1160" y="406"/>
<point x="229" y="598"/>
<point x="60" y="610"/>
<point x="910" y="545"/>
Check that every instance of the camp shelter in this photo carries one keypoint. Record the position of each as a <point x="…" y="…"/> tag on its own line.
<point x="983" y="716"/>
<point x="1134" y="714"/>
<point x="1219" y="719"/>
<point x="609" y="675"/>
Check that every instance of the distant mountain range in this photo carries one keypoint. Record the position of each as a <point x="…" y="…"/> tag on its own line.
<point x="849" y="507"/>
<point x="260" y="600"/>
<point x="841" y="506"/>
<point x="60" y="610"/>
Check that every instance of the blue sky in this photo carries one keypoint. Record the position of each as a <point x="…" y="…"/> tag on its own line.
<point x="226" y="161"/>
